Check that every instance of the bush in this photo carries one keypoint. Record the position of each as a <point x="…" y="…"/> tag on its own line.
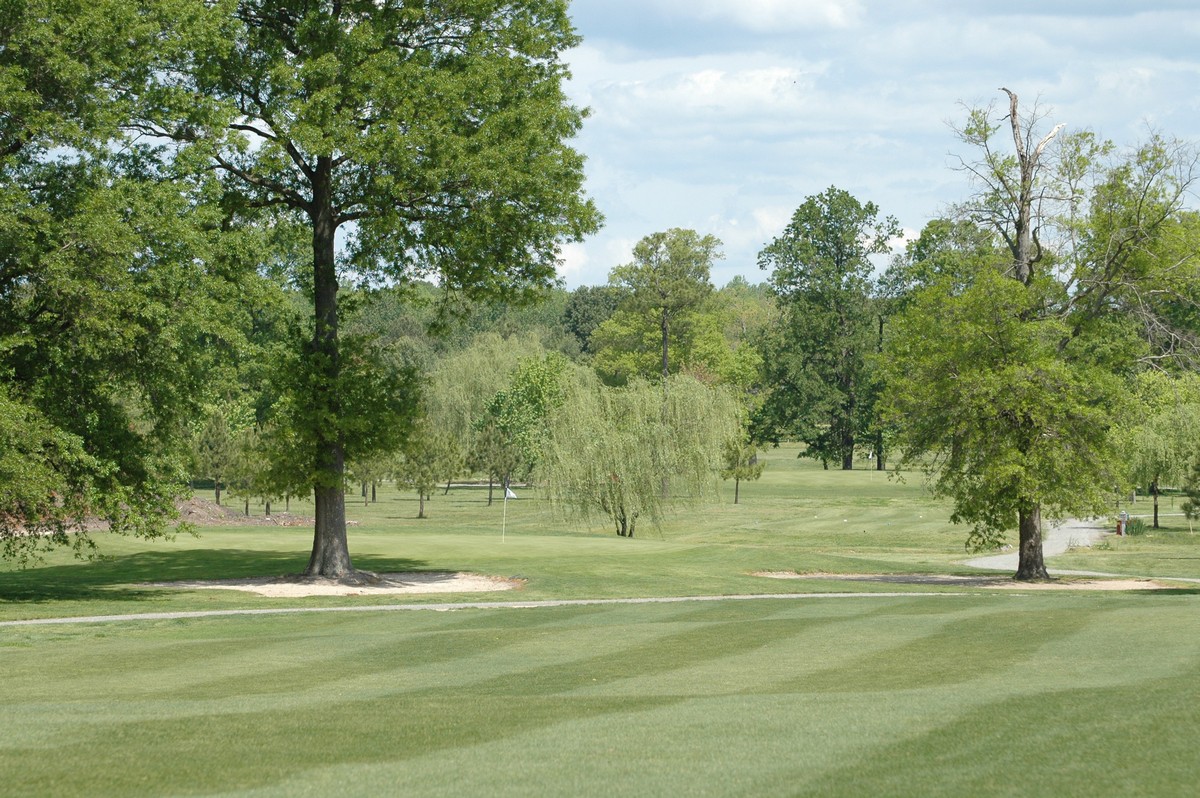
<point x="1135" y="526"/>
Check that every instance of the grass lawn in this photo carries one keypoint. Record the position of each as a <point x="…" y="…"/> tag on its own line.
<point x="958" y="693"/>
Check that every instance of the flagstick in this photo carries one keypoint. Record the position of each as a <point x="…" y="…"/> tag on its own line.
<point x="508" y="494"/>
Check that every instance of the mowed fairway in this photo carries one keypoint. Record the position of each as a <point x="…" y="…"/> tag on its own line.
<point x="961" y="692"/>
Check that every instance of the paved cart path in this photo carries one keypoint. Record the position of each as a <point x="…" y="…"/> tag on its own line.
<point x="1055" y="541"/>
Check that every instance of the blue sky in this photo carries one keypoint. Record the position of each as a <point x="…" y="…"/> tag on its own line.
<point x="723" y="115"/>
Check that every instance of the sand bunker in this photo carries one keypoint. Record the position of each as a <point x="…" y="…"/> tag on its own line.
<point x="362" y="584"/>
<point x="997" y="582"/>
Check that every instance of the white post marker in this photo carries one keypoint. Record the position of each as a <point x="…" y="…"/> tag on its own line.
<point x="508" y="494"/>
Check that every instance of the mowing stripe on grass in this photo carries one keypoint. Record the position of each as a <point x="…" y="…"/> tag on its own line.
<point x="444" y="607"/>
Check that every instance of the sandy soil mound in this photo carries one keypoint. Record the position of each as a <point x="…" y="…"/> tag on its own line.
<point x="203" y="512"/>
<point x="362" y="584"/>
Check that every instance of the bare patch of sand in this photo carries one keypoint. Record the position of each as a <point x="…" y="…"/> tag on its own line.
<point x="361" y="584"/>
<point x="998" y="582"/>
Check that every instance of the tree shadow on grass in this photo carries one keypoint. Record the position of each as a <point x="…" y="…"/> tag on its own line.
<point x="126" y="577"/>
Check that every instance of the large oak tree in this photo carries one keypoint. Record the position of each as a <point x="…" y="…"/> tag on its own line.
<point x="411" y="139"/>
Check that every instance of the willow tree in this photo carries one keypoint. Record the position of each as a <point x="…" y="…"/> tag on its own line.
<point x="609" y="448"/>
<point x="412" y="140"/>
<point x="1006" y="373"/>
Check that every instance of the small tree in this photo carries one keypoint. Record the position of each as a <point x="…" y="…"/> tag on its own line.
<point x="214" y="451"/>
<point x="741" y="462"/>
<point x="428" y="457"/>
<point x="1191" y="489"/>
<point x="513" y="428"/>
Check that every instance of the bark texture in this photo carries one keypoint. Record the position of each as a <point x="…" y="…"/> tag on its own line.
<point x="330" y="553"/>
<point x="1030" y="565"/>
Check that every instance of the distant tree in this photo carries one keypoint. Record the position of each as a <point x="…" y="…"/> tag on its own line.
<point x="514" y="422"/>
<point x="668" y="279"/>
<point x="818" y="360"/>
<point x="587" y="308"/>
<point x="609" y="448"/>
<point x="463" y="382"/>
<point x="428" y="457"/>
<point x="215" y="450"/>
<point x="370" y="472"/>
<point x="1162" y="436"/>
<point x="249" y="472"/>
<point x="1191" y="489"/>
<point x="741" y="462"/>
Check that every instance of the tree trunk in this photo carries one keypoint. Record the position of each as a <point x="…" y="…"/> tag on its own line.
<point x="372" y="493"/>
<point x="1030" y="565"/>
<point x="267" y="509"/>
<point x="1154" y="490"/>
<point x="446" y="492"/>
<point x="420" y="504"/>
<point x="846" y="432"/>
<point x="737" y="483"/>
<point x="491" y="482"/>
<point x="879" y="465"/>
<point x="330" y="552"/>
<point x="665" y="487"/>
<point x="217" y="488"/>
<point x="1026" y="253"/>
<point x="246" y="511"/>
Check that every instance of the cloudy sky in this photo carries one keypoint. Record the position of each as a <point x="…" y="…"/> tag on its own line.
<point x="723" y="115"/>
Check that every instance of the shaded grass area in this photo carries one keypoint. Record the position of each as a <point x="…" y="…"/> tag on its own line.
<point x="953" y="695"/>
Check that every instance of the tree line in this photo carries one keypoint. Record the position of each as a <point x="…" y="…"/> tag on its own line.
<point x="286" y="246"/>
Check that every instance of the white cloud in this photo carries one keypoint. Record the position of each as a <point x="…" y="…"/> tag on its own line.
<point x="572" y="261"/>
<point x="773" y="16"/>
<point x="723" y="115"/>
<point x="770" y="222"/>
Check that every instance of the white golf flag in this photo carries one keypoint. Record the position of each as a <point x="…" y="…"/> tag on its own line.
<point x="508" y="494"/>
